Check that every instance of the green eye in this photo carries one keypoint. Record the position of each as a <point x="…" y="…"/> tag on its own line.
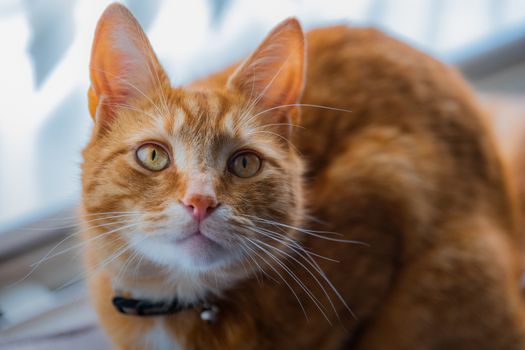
<point x="152" y="157"/>
<point x="245" y="164"/>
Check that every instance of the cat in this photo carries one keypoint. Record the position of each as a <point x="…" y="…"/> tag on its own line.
<point x="356" y="200"/>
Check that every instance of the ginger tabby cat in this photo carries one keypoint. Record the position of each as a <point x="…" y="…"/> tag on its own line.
<point x="218" y="208"/>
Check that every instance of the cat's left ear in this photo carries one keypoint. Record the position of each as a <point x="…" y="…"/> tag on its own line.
<point x="123" y="66"/>
<point x="273" y="75"/>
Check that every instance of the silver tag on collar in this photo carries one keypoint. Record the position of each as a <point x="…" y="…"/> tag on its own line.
<point x="209" y="313"/>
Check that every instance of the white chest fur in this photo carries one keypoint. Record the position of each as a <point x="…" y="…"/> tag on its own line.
<point x="158" y="338"/>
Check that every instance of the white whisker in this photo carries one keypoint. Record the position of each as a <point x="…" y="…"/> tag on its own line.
<point x="303" y="105"/>
<point x="282" y="278"/>
<point x="49" y="256"/>
<point x="312" y="297"/>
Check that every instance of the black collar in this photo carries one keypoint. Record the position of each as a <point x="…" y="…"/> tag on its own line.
<point x="145" y="308"/>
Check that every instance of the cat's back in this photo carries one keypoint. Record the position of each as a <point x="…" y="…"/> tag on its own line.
<point x="380" y="81"/>
<point x="411" y="124"/>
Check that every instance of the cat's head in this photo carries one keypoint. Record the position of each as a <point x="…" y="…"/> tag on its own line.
<point x="201" y="178"/>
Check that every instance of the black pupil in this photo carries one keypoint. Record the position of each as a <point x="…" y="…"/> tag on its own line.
<point x="153" y="154"/>
<point x="244" y="162"/>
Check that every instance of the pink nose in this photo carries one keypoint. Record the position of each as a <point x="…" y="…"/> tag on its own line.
<point x="200" y="206"/>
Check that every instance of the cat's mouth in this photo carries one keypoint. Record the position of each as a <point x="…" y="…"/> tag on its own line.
<point x="197" y="238"/>
<point x="192" y="236"/>
<point x="195" y="249"/>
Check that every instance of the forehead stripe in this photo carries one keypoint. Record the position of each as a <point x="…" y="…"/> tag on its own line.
<point x="178" y="119"/>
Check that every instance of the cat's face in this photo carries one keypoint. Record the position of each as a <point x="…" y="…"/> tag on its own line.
<point x="194" y="173"/>
<point x="195" y="178"/>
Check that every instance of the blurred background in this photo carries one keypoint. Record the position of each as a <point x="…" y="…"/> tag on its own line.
<point x="44" y="121"/>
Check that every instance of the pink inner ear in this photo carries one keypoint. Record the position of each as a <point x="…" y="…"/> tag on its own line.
<point x="274" y="73"/>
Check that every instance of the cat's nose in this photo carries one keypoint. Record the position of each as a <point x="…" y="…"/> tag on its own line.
<point x="200" y="206"/>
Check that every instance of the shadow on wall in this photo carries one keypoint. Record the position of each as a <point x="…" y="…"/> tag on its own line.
<point x="145" y="11"/>
<point x="52" y="32"/>
<point x="52" y="27"/>
<point x="59" y="143"/>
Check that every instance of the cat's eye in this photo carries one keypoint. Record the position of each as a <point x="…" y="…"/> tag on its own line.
<point x="245" y="164"/>
<point x="152" y="157"/>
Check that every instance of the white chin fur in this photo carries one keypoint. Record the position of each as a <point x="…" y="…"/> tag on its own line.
<point x="184" y="267"/>
<point x="188" y="259"/>
<point x="193" y="255"/>
<point x="181" y="274"/>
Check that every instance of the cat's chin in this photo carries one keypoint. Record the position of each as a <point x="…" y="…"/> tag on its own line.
<point x="192" y="253"/>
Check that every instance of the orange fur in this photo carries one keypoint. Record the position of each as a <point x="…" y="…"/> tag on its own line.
<point x="390" y="150"/>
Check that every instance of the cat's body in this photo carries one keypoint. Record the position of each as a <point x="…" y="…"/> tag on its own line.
<point x="399" y="160"/>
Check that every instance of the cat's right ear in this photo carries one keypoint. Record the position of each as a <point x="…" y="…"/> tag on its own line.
<point x="273" y="75"/>
<point x="123" y="66"/>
